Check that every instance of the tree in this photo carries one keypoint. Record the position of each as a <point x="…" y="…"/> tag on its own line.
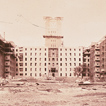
<point x="82" y="70"/>
<point x="78" y="71"/>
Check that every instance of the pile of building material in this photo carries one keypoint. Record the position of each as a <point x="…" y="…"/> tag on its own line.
<point x="3" y="81"/>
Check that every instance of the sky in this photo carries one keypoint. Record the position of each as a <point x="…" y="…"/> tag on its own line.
<point x="84" y="21"/>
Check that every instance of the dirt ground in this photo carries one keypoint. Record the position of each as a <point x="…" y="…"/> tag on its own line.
<point x="52" y="94"/>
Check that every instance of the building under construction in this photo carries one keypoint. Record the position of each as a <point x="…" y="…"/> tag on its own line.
<point x="94" y="59"/>
<point x="7" y="58"/>
<point x="53" y="59"/>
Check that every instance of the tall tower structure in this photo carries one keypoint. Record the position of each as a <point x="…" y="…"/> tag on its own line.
<point x="53" y="40"/>
<point x="53" y="26"/>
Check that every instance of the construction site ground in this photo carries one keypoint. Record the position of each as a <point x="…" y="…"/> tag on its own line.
<point x="51" y="93"/>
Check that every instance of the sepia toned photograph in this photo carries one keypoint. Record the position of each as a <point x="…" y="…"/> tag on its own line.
<point x="52" y="52"/>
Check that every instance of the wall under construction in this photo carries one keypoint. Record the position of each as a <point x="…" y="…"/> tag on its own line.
<point x="7" y="58"/>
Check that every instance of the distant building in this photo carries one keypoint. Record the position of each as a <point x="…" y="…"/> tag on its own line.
<point x="98" y="59"/>
<point x="53" y="59"/>
<point x="95" y="60"/>
<point x="7" y="58"/>
<point x="103" y="57"/>
<point x="86" y="62"/>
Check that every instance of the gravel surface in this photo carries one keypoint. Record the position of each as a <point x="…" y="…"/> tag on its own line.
<point x="52" y="94"/>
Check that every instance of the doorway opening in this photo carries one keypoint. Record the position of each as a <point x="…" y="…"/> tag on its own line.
<point x="53" y="74"/>
<point x="53" y="70"/>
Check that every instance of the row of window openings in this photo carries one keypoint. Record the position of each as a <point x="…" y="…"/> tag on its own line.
<point x="48" y="64"/>
<point x="53" y="45"/>
<point x="70" y="64"/>
<point x="53" y="59"/>
<point x="52" y="31"/>
<point x="85" y="60"/>
<point x="52" y="54"/>
<point x="21" y="74"/>
<point x="70" y="54"/>
<point x="21" y="69"/>
<point x="30" y="49"/>
<point x="31" y="54"/>
<point x="31" y="59"/>
<point x="65" y="74"/>
<point x="66" y="54"/>
<point x="65" y="69"/>
<point x="30" y="64"/>
<point x="9" y="63"/>
<point x="53" y="40"/>
<point x="70" y="59"/>
<point x="35" y="54"/>
<point x="46" y="49"/>
<point x="70" y="49"/>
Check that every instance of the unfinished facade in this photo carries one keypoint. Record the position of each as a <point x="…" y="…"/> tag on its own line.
<point x="7" y="58"/>
<point x="86" y="62"/>
<point x="103" y="57"/>
<point x="98" y="59"/>
<point x="2" y="56"/>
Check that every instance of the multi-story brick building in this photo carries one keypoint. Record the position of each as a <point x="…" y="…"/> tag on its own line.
<point x="98" y="59"/>
<point x="103" y="57"/>
<point x="54" y="59"/>
<point x="95" y="60"/>
<point x="2" y="52"/>
<point x="7" y="58"/>
<point x="86" y="62"/>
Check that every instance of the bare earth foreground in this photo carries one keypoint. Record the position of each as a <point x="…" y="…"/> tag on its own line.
<point x="52" y="93"/>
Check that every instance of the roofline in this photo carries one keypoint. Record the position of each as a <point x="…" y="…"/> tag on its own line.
<point x="47" y="36"/>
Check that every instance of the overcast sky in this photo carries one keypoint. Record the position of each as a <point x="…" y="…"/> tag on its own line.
<point x="84" y="21"/>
